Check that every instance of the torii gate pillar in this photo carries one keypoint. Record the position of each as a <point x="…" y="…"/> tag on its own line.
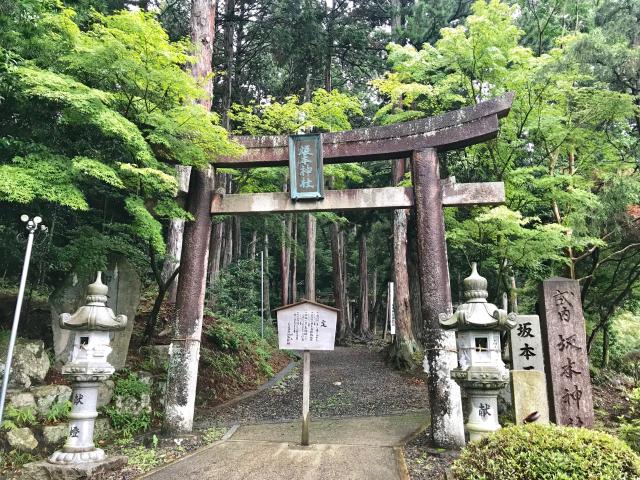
<point x="445" y="403"/>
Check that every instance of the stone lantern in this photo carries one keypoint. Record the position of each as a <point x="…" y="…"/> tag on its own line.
<point x="481" y="371"/>
<point x="87" y="368"/>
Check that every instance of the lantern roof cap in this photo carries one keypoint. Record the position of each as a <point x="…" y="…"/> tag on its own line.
<point x="94" y="315"/>
<point x="477" y="313"/>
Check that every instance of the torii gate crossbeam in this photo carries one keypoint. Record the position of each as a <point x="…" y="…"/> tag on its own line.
<point x="451" y="130"/>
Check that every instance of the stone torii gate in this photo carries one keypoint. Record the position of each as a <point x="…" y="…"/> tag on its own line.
<point x="421" y="140"/>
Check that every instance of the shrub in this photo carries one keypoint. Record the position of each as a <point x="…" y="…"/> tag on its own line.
<point x="630" y="427"/>
<point x="19" y="417"/>
<point x="127" y="423"/>
<point x="537" y="452"/>
<point x="129" y="385"/>
<point x="59" y="411"/>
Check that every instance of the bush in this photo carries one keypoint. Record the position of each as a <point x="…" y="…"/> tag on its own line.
<point x="238" y="346"/>
<point x="19" y="417"/>
<point x="128" y="384"/>
<point x="541" y="452"/>
<point x="630" y="427"/>
<point x="128" y="424"/>
<point x="59" y="411"/>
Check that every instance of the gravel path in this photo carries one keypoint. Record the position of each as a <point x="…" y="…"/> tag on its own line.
<point x="347" y="382"/>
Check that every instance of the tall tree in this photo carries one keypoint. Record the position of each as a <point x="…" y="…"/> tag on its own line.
<point x="174" y="238"/>
<point x="339" y="287"/>
<point x="405" y="346"/>
<point x="93" y="121"/>
<point x="182" y="375"/>
<point x="364" y="329"/>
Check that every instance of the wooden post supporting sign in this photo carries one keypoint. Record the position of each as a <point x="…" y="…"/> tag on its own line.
<point x="306" y="326"/>
<point x="306" y="393"/>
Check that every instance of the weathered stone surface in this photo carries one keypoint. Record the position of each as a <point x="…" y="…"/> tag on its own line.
<point x="21" y="399"/>
<point x="86" y="471"/>
<point x="145" y="377"/>
<point x="133" y="405"/>
<point x="529" y="392"/>
<point x="453" y="194"/>
<point x="48" y="395"/>
<point x="102" y="429"/>
<point x="30" y="363"/>
<point x="55" y="435"/>
<point x="505" y="400"/>
<point x="124" y="295"/>
<point x="567" y="364"/>
<point x="440" y="346"/>
<point x="105" y="393"/>
<point x="526" y="344"/>
<point x="22" y="439"/>
<point x="156" y="355"/>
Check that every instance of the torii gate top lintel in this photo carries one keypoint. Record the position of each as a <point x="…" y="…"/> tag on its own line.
<point x="451" y="130"/>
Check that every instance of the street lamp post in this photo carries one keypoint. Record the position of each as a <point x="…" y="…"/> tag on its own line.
<point x="32" y="227"/>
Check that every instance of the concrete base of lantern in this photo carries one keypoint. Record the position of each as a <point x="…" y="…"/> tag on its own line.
<point x="68" y="458"/>
<point x="44" y="470"/>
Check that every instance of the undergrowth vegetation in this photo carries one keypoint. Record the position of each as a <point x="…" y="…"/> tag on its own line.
<point x="129" y="390"/>
<point x="535" y="452"/>
<point x="239" y="350"/>
<point x="630" y="425"/>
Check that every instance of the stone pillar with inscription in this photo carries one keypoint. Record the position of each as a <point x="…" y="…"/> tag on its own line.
<point x="528" y="384"/>
<point x="567" y="364"/>
<point x="526" y="344"/>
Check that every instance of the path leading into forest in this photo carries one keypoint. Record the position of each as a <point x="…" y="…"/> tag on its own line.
<point x="362" y="412"/>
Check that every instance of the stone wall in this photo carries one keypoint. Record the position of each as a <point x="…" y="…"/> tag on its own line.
<point x="26" y="392"/>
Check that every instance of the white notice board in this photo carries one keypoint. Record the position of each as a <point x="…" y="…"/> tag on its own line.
<point x="306" y="326"/>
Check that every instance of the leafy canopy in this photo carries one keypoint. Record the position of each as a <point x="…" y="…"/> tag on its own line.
<point x="92" y="123"/>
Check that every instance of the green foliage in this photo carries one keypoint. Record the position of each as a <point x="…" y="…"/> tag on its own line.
<point x="237" y="341"/>
<point x="59" y="411"/>
<point x="19" y="417"/>
<point x="213" y="434"/>
<point x="567" y="151"/>
<point x="536" y="452"/>
<point x="14" y="459"/>
<point x="237" y="291"/>
<point x="128" y="424"/>
<point x="142" y="458"/>
<point x="93" y="120"/>
<point x="128" y="384"/>
<point x="327" y="111"/>
<point x="630" y="425"/>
